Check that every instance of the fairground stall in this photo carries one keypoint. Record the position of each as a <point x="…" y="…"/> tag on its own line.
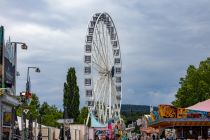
<point x="179" y="123"/>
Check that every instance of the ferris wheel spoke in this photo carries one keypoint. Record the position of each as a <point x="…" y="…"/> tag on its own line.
<point x="103" y="90"/>
<point x="103" y="96"/>
<point x="107" y="44"/>
<point x="108" y="48"/>
<point x="104" y="42"/>
<point x="95" y="58"/>
<point x="100" y="102"/>
<point x="98" y="54"/>
<point x="97" y="66"/>
<point x="109" y="53"/>
<point x="100" y="38"/>
<point x="100" y="85"/>
<point x="97" y="44"/>
<point x="101" y="43"/>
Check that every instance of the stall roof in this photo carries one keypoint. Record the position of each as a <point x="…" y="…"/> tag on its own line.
<point x="149" y="130"/>
<point x="169" y="122"/>
<point x="201" y="106"/>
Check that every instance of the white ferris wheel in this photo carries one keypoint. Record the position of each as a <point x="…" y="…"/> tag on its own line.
<point x="102" y="68"/>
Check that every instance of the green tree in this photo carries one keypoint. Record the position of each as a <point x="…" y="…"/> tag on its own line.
<point x="50" y="115"/>
<point x="71" y="98"/>
<point x="83" y="115"/>
<point x="195" y="86"/>
<point x="34" y="107"/>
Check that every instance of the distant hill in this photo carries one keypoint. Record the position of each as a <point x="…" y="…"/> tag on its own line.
<point x="127" y="109"/>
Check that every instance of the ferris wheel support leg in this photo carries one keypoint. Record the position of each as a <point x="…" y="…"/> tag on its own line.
<point x="110" y="98"/>
<point x="88" y="117"/>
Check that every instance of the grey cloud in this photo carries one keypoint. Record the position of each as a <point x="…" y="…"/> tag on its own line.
<point x="158" y="39"/>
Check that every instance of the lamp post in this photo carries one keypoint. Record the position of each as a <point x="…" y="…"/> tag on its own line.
<point x="28" y="82"/>
<point x="40" y="127"/>
<point x="25" y="98"/>
<point x="64" y="124"/>
<point x="24" y="47"/>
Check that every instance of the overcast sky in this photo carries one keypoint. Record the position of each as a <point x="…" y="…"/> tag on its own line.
<point x="159" y="39"/>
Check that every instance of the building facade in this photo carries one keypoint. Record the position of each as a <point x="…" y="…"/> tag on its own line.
<point x="8" y="98"/>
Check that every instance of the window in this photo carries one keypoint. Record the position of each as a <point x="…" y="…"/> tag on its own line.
<point x="97" y="14"/>
<point x="88" y="82"/>
<point x="118" y="79"/>
<point x="95" y="18"/>
<point x="118" y="70"/>
<point x="87" y="59"/>
<point x="118" y="97"/>
<point x="102" y="17"/>
<point x="87" y="70"/>
<point x="115" y="105"/>
<point x="89" y="93"/>
<point x="89" y="38"/>
<point x="111" y="30"/>
<point x="118" y="88"/>
<point x="88" y="48"/>
<point x="116" y="52"/>
<point x="92" y="23"/>
<point x="113" y="36"/>
<point x="117" y="60"/>
<point x="90" y="103"/>
<point x="106" y="20"/>
<point x="108" y="24"/>
<point x="90" y="31"/>
<point x="115" y="43"/>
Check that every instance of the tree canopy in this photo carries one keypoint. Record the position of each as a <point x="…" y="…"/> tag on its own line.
<point x="49" y="113"/>
<point x="34" y="107"/>
<point x="83" y="115"/>
<point x="195" y="86"/>
<point x="71" y="98"/>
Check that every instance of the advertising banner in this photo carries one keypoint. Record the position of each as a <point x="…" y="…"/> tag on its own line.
<point x="167" y="111"/>
<point x="182" y="112"/>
